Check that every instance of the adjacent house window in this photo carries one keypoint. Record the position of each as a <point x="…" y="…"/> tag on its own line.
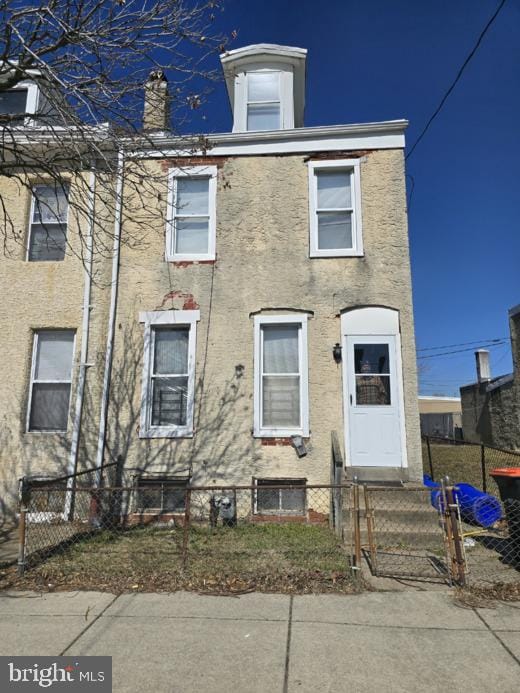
<point x="13" y="103"/>
<point x="51" y="376"/>
<point x="335" y="208"/>
<point x="48" y="223"/>
<point x="191" y="217"/>
<point x="281" y="498"/>
<point x="161" y="495"/>
<point x="263" y="100"/>
<point x="168" y="374"/>
<point x="281" y="382"/>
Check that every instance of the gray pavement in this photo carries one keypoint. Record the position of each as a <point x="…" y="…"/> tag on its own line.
<point x="393" y="641"/>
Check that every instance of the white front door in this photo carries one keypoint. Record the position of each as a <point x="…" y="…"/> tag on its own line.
<point x="372" y="401"/>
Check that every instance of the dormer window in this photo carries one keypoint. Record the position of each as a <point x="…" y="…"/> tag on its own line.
<point x="266" y="87"/>
<point x="263" y="100"/>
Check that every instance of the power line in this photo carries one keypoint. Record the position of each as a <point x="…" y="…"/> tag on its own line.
<point x="477" y="341"/>
<point x="458" y="351"/>
<point x="459" y="75"/>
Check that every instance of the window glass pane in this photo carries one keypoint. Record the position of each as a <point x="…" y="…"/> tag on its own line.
<point x="334" y="230"/>
<point x="50" y="204"/>
<point x="49" y="407"/>
<point x="171" y="351"/>
<point x="372" y="390"/>
<point x="293" y="499"/>
<point x="334" y="189"/>
<point x="54" y="355"/>
<point x="281" y="401"/>
<point x="263" y="86"/>
<point x="371" y="358"/>
<point x="47" y="243"/>
<point x="263" y="117"/>
<point x="149" y="495"/>
<point x="191" y="236"/>
<point x="281" y="348"/>
<point x="173" y="498"/>
<point x="13" y="102"/>
<point x="192" y="195"/>
<point x="268" y="499"/>
<point x="169" y="401"/>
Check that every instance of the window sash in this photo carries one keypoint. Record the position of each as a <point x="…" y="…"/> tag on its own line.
<point x="262" y="425"/>
<point x="55" y="250"/>
<point x="347" y="231"/>
<point x="283" y="491"/>
<point x="177" y="214"/>
<point x="152" y="486"/>
<point x="35" y="382"/>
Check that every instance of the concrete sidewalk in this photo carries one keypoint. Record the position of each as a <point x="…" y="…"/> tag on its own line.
<point x="380" y="641"/>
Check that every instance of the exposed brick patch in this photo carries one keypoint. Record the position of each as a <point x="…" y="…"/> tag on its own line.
<point x="189" y="302"/>
<point x="183" y="161"/>
<point x="276" y="441"/>
<point x="325" y="156"/>
<point x="188" y="263"/>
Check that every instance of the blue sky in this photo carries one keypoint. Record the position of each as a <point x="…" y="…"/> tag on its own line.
<point x="374" y="60"/>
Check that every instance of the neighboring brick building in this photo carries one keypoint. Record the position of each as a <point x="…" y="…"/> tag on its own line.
<point x="217" y="335"/>
<point x="491" y="406"/>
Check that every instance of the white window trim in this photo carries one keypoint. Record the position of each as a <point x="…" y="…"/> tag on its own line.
<point x="33" y="380"/>
<point x="260" y="431"/>
<point x="357" y="235"/>
<point x="43" y="184"/>
<point x="191" y="172"/>
<point x="151" y="319"/>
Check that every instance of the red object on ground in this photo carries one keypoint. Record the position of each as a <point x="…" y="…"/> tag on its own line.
<point x="506" y="471"/>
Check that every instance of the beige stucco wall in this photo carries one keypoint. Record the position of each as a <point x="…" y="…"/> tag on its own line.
<point x="262" y="264"/>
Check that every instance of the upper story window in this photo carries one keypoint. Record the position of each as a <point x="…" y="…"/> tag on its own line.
<point x="13" y="103"/>
<point x="263" y="100"/>
<point x="191" y="219"/>
<point x="51" y="376"/>
<point x="335" y="208"/>
<point x="48" y="223"/>
<point x="281" y="379"/>
<point x="168" y="373"/>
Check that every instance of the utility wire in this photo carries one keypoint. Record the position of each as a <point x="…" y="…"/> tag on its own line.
<point x="459" y="75"/>
<point x="457" y="351"/>
<point x="477" y="341"/>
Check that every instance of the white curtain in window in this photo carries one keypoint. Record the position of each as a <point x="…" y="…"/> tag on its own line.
<point x="281" y="349"/>
<point x="54" y="355"/>
<point x="171" y="351"/>
<point x="334" y="190"/>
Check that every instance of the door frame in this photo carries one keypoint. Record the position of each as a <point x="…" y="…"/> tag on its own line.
<point x="375" y="321"/>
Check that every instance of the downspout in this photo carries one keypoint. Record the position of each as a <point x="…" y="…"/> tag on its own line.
<point x="74" y="447"/>
<point x="111" y="320"/>
<point x="85" y="327"/>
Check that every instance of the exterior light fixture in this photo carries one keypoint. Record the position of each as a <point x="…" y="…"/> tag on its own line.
<point x="299" y="445"/>
<point x="336" y="352"/>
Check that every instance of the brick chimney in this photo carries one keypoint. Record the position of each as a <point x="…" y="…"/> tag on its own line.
<point x="483" y="367"/>
<point x="156" y="114"/>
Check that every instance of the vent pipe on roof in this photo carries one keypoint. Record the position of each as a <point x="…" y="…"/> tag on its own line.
<point x="483" y="367"/>
<point x="156" y="114"/>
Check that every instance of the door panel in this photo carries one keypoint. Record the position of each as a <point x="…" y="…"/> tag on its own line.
<point x="373" y="425"/>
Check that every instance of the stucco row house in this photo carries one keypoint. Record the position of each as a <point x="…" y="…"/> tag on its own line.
<point x="265" y="303"/>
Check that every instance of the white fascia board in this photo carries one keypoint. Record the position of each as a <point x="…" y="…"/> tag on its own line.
<point x="435" y="398"/>
<point x="385" y="135"/>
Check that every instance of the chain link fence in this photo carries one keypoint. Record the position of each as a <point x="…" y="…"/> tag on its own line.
<point x="464" y="462"/>
<point x="171" y="535"/>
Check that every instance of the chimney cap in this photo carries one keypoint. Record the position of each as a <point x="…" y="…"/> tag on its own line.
<point x="157" y="76"/>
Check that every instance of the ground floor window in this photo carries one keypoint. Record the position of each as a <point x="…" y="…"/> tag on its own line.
<point x="279" y="496"/>
<point x="161" y="495"/>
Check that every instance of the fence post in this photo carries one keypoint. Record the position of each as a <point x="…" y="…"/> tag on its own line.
<point x="22" y="527"/>
<point x="430" y="462"/>
<point x="186" y="528"/>
<point x="483" y="466"/>
<point x="357" y="528"/>
<point x="452" y="517"/>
